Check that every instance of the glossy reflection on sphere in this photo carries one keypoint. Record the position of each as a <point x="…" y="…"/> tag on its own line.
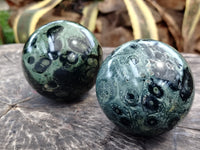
<point x="61" y="60"/>
<point x="145" y="87"/>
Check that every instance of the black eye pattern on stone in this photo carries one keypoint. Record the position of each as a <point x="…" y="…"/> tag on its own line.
<point x="134" y="46"/>
<point x="31" y="60"/>
<point x="156" y="90"/>
<point x="55" y="44"/>
<point x="69" y="57"/>
<point x="151" y="103"/>
<point x="131" y="99"/>
<point x="174" y="85"/>
<point x="42" y="65"/>
<point x="72" y="57"/>
<point x="117" y="109"/>
<point x="130" y="96"/>
<point x="33" y="43"/>
<point x="165" y="93"/>
<point x="187" y="85"/>
<point x="53" y="55"/>
<point x="54" y="31"/>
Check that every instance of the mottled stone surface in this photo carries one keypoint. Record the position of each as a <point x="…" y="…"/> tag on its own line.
<point x="145" y="87"/>
<point x="29" y="121"/>
<point x="61" y="60"/>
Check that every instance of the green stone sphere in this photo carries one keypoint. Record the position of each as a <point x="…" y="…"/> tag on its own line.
<point x="61" y="60"/>
<point x="145" y="87"/>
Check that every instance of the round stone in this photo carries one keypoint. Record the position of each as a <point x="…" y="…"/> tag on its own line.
<point x="61" y="59"/>
<point x="145" y="87"/>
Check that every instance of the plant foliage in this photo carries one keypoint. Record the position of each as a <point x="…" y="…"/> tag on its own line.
<point x="142" y="19"/>
<point x="26" y="21"/>
<point x="90" y="13"/>
<point x="7" y="31"/>
<point x="191" y="19"/>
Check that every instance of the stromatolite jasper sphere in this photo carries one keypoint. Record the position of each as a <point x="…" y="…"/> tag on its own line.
<point x="145" y="87"/>
<point x="61" y="60"/>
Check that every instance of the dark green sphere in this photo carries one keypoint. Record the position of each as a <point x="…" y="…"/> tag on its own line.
<point x="61" y="60"/>
<point x="145" y="87"/>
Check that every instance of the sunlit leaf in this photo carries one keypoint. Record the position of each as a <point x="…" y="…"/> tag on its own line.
<point x="171" y="23"/>
<point x="190" y="20"/>
<point x="26" y="21"/>
<point x="90" y="14"/>
<point x="142" y="20"/>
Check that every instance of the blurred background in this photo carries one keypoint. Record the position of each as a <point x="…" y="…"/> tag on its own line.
<point x="114" y="22"/>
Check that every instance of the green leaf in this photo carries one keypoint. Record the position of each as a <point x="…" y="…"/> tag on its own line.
<point x="8" y="35"/>
<point x="1" y="42"/>
<point x="142" y="20"/>
<point x="26" y="21"/>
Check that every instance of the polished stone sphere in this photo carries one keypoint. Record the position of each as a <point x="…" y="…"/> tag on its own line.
<point x="61" y="60"/>
<point x="145" y="87"/>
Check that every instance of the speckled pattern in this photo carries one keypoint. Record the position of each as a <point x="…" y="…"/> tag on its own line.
<point x="145" y="87"/>
<point x="61" y="60"/>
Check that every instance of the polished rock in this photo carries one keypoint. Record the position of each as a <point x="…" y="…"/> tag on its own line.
<point x="145" y="87"/>
<point x="61" y="60"/>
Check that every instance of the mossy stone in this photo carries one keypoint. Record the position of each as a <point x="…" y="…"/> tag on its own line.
<point x="61" y="60"/>
<point x="145" y="87"/>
